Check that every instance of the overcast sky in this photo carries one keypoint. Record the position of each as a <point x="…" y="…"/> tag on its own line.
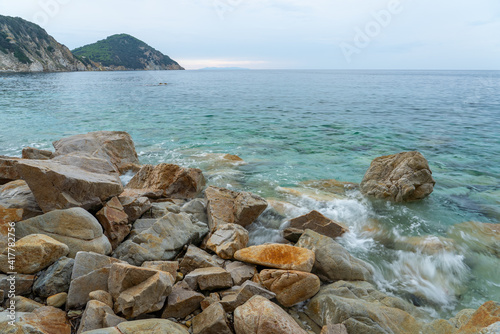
<point x="295" y="34"/>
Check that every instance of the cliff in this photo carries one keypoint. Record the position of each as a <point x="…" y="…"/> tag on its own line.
<point x="26" y="47"/>
<point x="125" y="52"/>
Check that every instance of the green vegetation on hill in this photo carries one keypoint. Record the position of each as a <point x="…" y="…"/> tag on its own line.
<point x="123" y="50"/>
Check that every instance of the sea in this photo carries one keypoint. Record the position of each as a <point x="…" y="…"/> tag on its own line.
<point x="292" y="128"/>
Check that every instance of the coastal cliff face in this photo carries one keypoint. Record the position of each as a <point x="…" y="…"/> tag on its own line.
<point x="26" y="47"/>
<point x="125" y="52"/>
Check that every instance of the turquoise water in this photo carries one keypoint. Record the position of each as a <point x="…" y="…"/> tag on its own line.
<point x="293" y="126"/>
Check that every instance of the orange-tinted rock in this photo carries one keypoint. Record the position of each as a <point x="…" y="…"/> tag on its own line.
<point x="114" y="220"/>
<point x="8" y="170"/>
<point x="47" y="320"/>
<point x="167" y="180"/>
<point x="486" y="314"/>
<point x="227" y="239"/>
<point x="318" y="223"/>
<point x="17" y="195"/>
<point x="278" y="256"/>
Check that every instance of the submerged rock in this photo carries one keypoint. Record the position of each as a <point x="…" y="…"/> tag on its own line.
<point x="400" y="177"/>
<point x="479" y="237"/>
<point x="278" y="256"/>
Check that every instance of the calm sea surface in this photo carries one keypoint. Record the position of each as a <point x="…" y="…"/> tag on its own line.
<point x="295" y="126"/>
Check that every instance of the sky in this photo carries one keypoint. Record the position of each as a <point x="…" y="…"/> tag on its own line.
<point x="286" y="34"/>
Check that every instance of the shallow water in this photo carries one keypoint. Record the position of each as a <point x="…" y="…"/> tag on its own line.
<point x="293" y="126"/>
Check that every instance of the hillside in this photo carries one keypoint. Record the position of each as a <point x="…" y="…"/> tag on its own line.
<point x="125" y="52"/>
<point x="26" y="47"/>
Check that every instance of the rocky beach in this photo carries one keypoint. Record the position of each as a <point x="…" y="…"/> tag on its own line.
<point x="93" y="241"/>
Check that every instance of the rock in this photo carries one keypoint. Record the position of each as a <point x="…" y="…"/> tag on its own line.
<point x="55" y="279"/>
<point x="57" y="186"/>
<point x="486" y="315"/>
<point x="334" y="329"/>
<point x="491" y="329"/>
<point x="170" y="267"/>
<point x="213" y="278"/>
<point x="114" y="220"/>
<point x="362" y="309"/>
<point x="147" y="326"/>
<point x="102" y="296"/>
<point x="462" y="317"/>
<point x="182" y="301"/>
<point x="228" y="239"/>
<point x="240" y="272"/>
<point x="292" y="234"/>
<point x="134" y="207"/>
<point x="35" y="153"/>
<point x="277" y="256"/>
<point x="33" y="253"/>
<point x="479" y="237"/>
<point x="332" y="186"/>
<point x="75" y="227"/>
<point x="44" y="320"/>
<point x="249" y="289"/>
<point x="333" y="262"/>
<point x="115" y="146"/>
<point x="168" y="181"/>
<point x="22" y="283"/>
<point x="318" y="223"/>
<point x="260" y="316"/>
<point x="7" y="219"/>
<point x="86" y="262"/>
<point x="427" y="244"/>
<point x="226" y="206"/>
<point x="197" y="208"/>
<point x="291" y="287"/>
<point x="88" y="163"/>
<point x="400" y="177"/>
<point x="212" y="320"/>
<point x="209" y="300"/>
<point x="197" y="258"/>
<point x="438" y="326"/>
<point x="160" y="209"/>
<point x="26" y="305"/>
<point x="8" y="171"/>
<point x="95" y="315"/>
<point x="163" y="240"/>
<point x="82" y="286"/>
<point x="17" y="195"/>
<point x="137" y="290"/>
<point x="57" y="300"/>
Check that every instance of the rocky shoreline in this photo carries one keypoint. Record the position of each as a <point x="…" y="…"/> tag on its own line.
<point x="167" y="254"/>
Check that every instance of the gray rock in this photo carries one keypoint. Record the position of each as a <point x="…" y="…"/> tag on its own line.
<point x="197" y="258"/>
<point x="23" y="283"/>
<point x="333" y="262"/>
<point x="240" y="272"/>
<point x="146" y="326"/>
<point x="82" y="286"/>
<point x="213" y="320"/>
<point x="198" y="208"/>
<point x="249" y="289"/>
<point x="17" y="195"/>
<point x="54" y="279"/>
<point x="95" y="315"/>
<point x="86" y="262"/>
<point x="213" y="278"/>
<point x="135" y="207"/>
<point x="182" y="301"/>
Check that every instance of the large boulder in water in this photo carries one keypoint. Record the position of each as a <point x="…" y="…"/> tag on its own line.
<point x="58" y="186"/>
<point x="400" y="177"/>
<point x="116" y="147"/>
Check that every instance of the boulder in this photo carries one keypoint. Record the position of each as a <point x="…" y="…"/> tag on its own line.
<point x="57" y="300"/>
<point x="57" y="186"/>
<point x="102" y="296"/>
<point x="17" y="195"/>
<point x="86" y="262"/>
<point x="75" y="227"/>
<point x="278" y="256"/>
<point x="22" y="283"/>
<point x="114" y="220"/>
<point x="318" y="223"/>
<point x="214" y="278"/>
<point x="291" y="287"/>
<point x="334" y="329"/>
<point x="8" y="171"/>
<point x="88" y="163"/>
<point x="96" y="315"/>
<point x="362" y="309"/>
<point x="213" y="320"/>
<point x="160" y="209"/>
<point x="182" y="301"/>
<point x="163" y="240"/>
<point x="227" y="239"/>
<point x="43" y="320"/>
<point x="400" y="177"/>
<point x="55" y="279"/>
<point x="260" y="316"/>
<point x="240" y="272"/>
<point x="7" y="228"/>
<point x="226" y="206"/>
<point x="134" y="206"/>
<point x="479" y="237"/>
<point x="197" y="258"/>
<point x="33" y="253"/>
<point x="486" y="315"/>
<point x="147" y="326"/>
<point x="197" y="208"/>
<point x="170" y="267"/>
<point x="82" y="286"/>
<point x="209" y="300"/>
<point x="168" y="181"/>
<point x="249" y="289"/>
<point x="137" y="290"/>
<point x="292" y="234"/>
<point x="333" y="262"/>
<point x="114" y="146"/>
<point x="35" y="153"/>
<point x="25" y="304"/>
